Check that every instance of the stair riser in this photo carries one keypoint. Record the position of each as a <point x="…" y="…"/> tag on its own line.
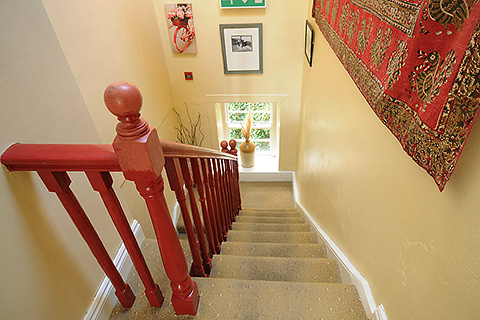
<point x="273" y="250"/>
<point x="244" y="226"/>
<point x="272" y="237"/>
<point x="269" y="220"/>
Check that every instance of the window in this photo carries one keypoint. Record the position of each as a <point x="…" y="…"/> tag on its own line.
<point x="263" y="128"/>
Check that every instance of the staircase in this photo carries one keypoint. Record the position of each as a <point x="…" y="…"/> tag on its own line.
<point x="271" y="267"/>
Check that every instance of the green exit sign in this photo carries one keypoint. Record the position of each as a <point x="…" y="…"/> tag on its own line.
<point x="225" y="4"/>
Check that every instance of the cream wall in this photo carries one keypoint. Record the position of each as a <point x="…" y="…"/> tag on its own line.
<point x="46" y="269"/>
<point x="283" y="32"/>
<point x="419" y="249"/>
<point x="117" y="40"/>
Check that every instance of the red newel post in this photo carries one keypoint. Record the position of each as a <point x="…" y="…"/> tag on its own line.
<point x="59" y="182"/>
<point x="140" y="156"/>
<point x="102" y="183"/>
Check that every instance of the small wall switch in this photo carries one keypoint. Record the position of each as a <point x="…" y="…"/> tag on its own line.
<point x="188" y="75"/>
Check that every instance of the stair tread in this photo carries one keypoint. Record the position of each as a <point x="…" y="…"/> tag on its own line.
<point x="286" y="250"/>
<point x="275" y="269"/>
<point x="271" y="236"/>
<point x="251" y="226"/>
<point x="241" y="218"/>
<point x="252" y="299"/>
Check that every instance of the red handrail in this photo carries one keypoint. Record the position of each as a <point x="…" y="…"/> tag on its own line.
<point x="141" y="156"/>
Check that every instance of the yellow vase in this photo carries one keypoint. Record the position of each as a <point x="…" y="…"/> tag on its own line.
<point x="247" y="154"/>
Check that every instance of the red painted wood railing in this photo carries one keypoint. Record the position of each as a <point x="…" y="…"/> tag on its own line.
<point x="141" y="156"/>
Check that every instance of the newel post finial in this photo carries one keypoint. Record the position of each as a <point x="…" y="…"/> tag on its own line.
<point x="124" y="100"/>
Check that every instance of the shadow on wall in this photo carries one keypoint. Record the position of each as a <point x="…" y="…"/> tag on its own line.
<point x="61" y="277"/>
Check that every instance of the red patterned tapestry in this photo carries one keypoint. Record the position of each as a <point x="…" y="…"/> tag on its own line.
<point x="417" y="62"/>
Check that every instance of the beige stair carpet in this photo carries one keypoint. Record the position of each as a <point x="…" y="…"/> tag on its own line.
<point x="271" y="267"/>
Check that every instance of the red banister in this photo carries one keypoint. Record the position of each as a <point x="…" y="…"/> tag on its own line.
<point x="60" y="157"/>
<point x="88" y="157"/>
<point x="141" y="156"/>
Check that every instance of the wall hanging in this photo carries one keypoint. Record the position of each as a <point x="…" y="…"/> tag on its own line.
<point x="180" y="27"/>
<point x="242" y="48"/>
<point x="417" y="63"/>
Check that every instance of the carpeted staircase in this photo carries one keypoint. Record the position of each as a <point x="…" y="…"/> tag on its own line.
<point x="271" y="267"/>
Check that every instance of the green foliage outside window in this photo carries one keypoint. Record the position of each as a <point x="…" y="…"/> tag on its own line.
<point x="262" y="117"/>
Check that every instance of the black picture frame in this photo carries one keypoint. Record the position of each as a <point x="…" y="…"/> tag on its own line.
<point x="309" y="42"/>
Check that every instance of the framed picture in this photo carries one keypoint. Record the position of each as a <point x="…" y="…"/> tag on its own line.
<point x="180" y="27"/>
<point x="309" y="36"/>
<point x="242" y="48"/>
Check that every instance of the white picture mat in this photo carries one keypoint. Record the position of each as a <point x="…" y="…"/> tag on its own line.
<point x="241" y="61"/>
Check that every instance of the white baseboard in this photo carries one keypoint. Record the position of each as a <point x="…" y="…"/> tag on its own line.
<point x="105" y="299"/>
<point x="348" y="272"/>
<point x="266" y="176"/>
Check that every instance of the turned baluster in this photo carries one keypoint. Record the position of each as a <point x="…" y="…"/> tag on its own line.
<point x="175" y="179"/>
<point x="211" y="203"/>
<point x="218" y="194"/>
<point x="224" y="186"/>
<point x="59" y="182"/>
<point x="141" y="159"/>
<point x="102" y="182"/>
<point x="207" y="220"/>
<point x="231" y="190"/>
<point x="237" y="184"/>
<point x="223" y="195"/>
<point x="187" y="178"/>
<point x="216" y="198"/>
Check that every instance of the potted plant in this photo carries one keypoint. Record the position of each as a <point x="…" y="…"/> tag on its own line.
<point x="247" y="148"/>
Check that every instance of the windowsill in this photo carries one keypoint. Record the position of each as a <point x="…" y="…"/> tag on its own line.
<point x="263" y="163"/>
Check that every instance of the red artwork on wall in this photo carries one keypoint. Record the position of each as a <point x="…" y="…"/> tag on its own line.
<point x="417" y="63"/>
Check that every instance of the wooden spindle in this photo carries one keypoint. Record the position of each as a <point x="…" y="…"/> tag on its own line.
<point x="231" y="190"/>
<point x="175" y="179"/>
<point x="207" y="219"/>
<point x="102" y="182"/>
<point x="208" y="184"/>
<point x="141" y="159"/>
<point x="215" y="199"/>
<point x="59" y="182"/>
<point x="187" y="178"/>
<point x="223" y="186"/>
<point x="218" y="196"/>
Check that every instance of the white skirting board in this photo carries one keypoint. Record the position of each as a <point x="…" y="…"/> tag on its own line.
<point x="348" y="271"/>
<point x="266" y="176"/>
<point x="105" y="299"/>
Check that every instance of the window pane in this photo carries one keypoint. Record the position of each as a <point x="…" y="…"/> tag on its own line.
<point x="262" y="145"/>
<point x="236" y="118"/>
<point x="260" y="134"/>
<point x="261" y="118"/>
<point x="237" y="106"/>
<point x="260" y="106"/>
<point x="236" y="134"/>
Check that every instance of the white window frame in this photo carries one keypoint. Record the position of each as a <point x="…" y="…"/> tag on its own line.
<point x="272" y="126"/>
